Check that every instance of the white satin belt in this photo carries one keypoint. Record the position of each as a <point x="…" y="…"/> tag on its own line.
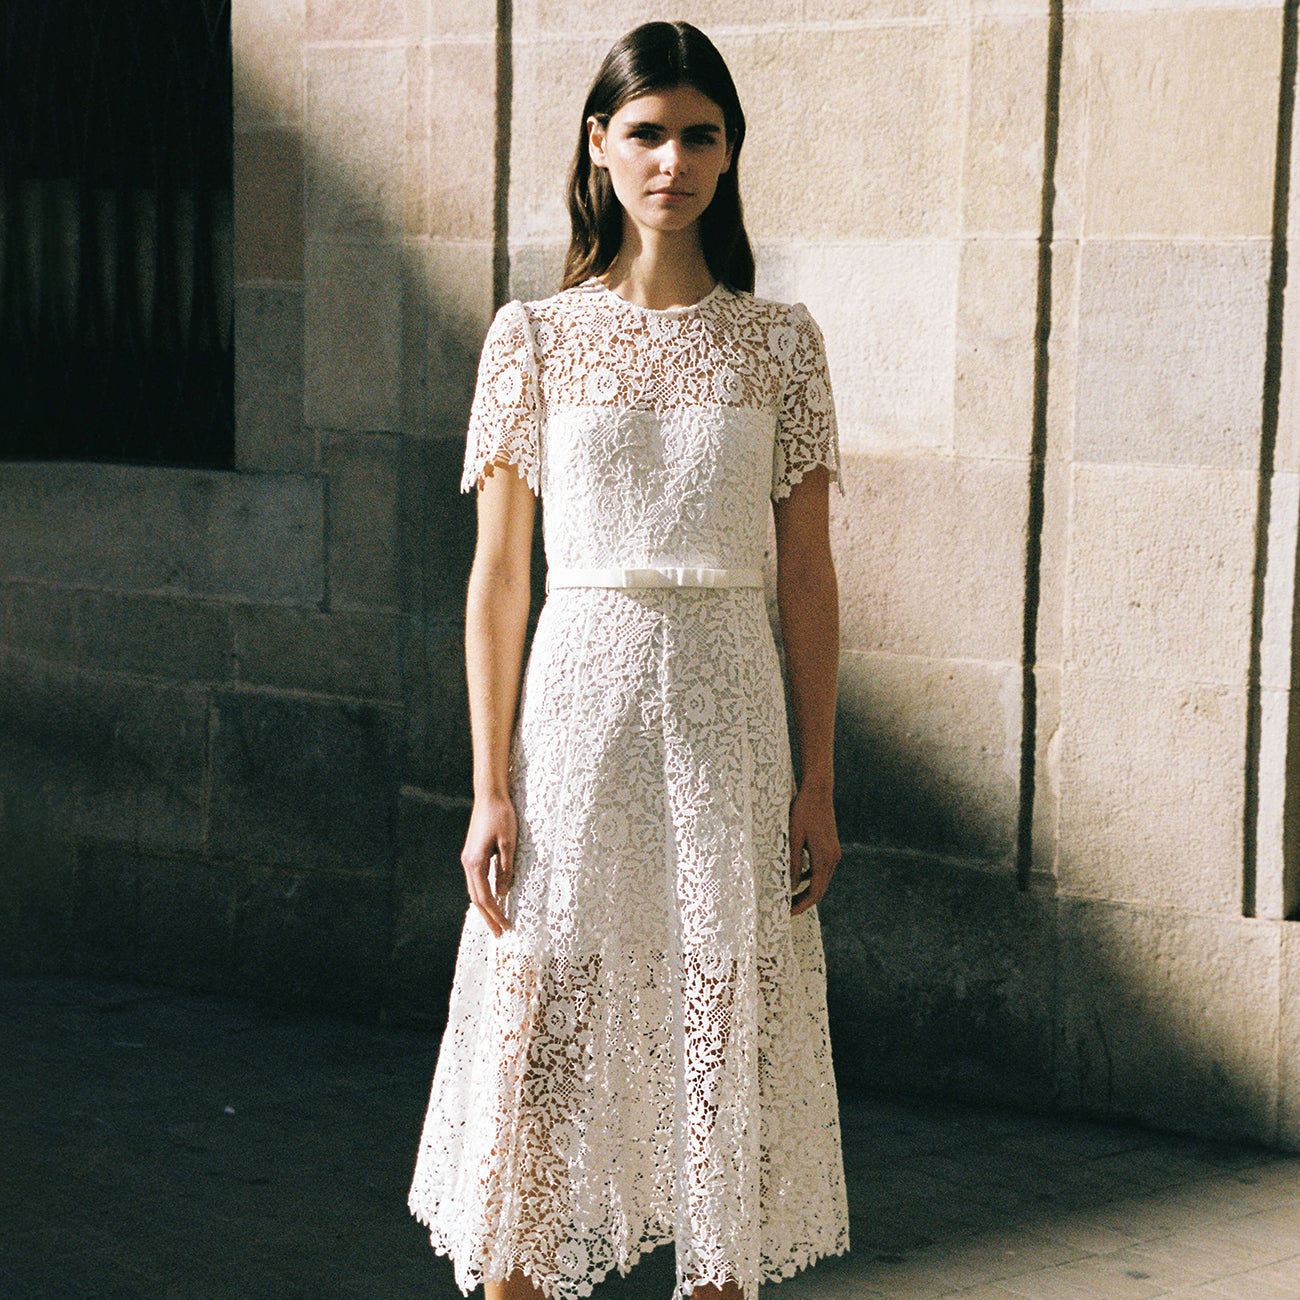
<point x="655" y="577"/>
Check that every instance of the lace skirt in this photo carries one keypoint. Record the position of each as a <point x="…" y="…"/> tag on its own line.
<point x="643" y="1057"/>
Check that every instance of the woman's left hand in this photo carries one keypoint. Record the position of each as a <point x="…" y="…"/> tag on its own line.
<point x="812" y="830"/>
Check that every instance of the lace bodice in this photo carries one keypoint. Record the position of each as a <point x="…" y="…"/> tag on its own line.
<point x="655" y="437"/>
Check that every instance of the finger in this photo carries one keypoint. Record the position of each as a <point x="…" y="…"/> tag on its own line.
<point x="480" y="892"/>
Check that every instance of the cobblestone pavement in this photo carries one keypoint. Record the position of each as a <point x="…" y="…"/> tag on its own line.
<point x="157" y="1144"/>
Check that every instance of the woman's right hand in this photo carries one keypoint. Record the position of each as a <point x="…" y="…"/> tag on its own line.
<point x="493" y="829"/>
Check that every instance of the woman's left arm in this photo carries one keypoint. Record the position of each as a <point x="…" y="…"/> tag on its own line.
<point x="808" y="602"/>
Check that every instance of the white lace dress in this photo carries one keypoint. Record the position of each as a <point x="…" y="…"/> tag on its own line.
<point x="643" y="1057"/>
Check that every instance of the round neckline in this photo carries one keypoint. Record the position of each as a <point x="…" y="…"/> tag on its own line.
<point x="598" y="283"/>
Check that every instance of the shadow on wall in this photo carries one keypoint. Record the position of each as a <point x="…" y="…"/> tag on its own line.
<point x="281" y="814"/>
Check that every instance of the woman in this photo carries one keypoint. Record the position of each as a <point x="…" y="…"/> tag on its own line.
<point x="636" y="1049"/>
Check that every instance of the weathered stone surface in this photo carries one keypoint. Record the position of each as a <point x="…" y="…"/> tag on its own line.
<point x="268" y="205"/>
<point x="1182" y="122"/>
<point x="267" y="40"/>
<point x="1003" y="174"/>
<point x="105" y="922"/>
<point x="1171" y="352"/>
<point x="312" y="937"/>
<point x="362" y="470"/>
<point x="451" y="88"/>
<point x="940" y="979"/>
<point x="356" y="121"/>
<point x="1151" y="778"/>
<point x="446" y="310"/>
<point x="181" y="640"/>
<point x="997" y="302"/>
<point x="897" y="154"/>
<point x="927" y="756"/>
<point x="120" y="759"/>
<point x="38" y="620"/>
<point x="355" y="20"/>
<point x="430" y="908"/>
<point x="302" y="782"/>
<point x="353" y="336"/>
<point x="440" y="529"/>
<point x="183" y="923"/>
<point x="438" y="755"/>
<point x="888" y="315"/>
<point x="537" y="269"/>
<point x="1161" y="569"/>
<point x="1288" y="1053"/>
<point x="1169" y="1018"/>
<point x="602" y="24"/>
<point x="194" y="532"/>
<point x="269" y="432"/>
<point x="904" y="536"/>
<point x="1046" y="826"/>
<point x="350" y="653"/>
<point x="439" y="19"/>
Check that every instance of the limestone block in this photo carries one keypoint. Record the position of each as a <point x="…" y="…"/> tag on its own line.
<point x="439" y="522"/>
<point x="119" y="759"/>
<point x="446" y="311"/>
<point x="194" y="532"/>
<point x="1070" y="174"/>
<point x="1182" y="122"/>
<point x="930" y="557"/>
<point x="312" y="938"/>
<point x="356" y="123"/>
<point x="862" y="142"/>
<point x="362" y="471"/>
<point x="939" y="979"/>
<point x="1053" y="538"/>
<point x="106" y="912"/>
<point x="1288" y="1055"/>
<point x="551" y="80"/>
<point x="888" y="315"/>
<point x="1161" y="572"/>
<point x="303" y="782"/>
<point x="269" y="432"/>
<point x="179" y="640"/>
<point x="538" y="19"/>
<point x="536" y="269"/>
<point x="1063" y="351"/>
<point x="353" y="336"/>
<point x="182" y="927"/>
<point x="1169" y="1018"/>
<point x="355" y="20"/>
<point x="1002" y="180"/>
<point x="430" y="908"/>
<point x="1171" y="352"/>
<point x="1287" y="450"/>
<point x="1046" y="829"/>
<point x="450" y="140"/>
<point x="1151" y="777"/>
<point x="350" y="653"/>
<point x="997" y="302"/>
<point x="38" y="620"/>
<point x="267" y="39"/>
<point x="268" y="205"/>
<point x="438" y="755"/>
<point x="1276" y="891"/>
<point x="455" y="19"/>
<point x="927" y="756"/>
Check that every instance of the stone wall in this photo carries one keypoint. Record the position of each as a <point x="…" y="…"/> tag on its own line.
<point x="1048" y="247"/>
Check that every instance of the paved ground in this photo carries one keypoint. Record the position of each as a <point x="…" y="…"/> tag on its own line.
<point x="158" y="1144"/>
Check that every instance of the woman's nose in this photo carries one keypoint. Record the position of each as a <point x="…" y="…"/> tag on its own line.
<point x="670" y="156"/>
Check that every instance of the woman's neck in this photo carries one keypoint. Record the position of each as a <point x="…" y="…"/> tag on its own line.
<point x="660" y="273"/>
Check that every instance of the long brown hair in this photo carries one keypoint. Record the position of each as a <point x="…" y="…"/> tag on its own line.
<point x="657" y="56"/>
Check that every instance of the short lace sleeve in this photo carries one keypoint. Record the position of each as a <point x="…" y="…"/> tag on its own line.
<point x="504" y="426"/>
<point x="806" y="433"/>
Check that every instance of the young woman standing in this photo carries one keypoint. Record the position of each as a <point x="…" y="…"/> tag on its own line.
<point x="636" y="1051"/>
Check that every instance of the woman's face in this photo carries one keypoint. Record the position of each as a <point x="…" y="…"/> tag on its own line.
<point x="664" y="153"/>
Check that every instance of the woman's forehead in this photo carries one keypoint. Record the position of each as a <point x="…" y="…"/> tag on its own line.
<point x="674" y="104"/>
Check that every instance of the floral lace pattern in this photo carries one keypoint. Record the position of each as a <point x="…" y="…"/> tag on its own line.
<point x="643" y="1058"/>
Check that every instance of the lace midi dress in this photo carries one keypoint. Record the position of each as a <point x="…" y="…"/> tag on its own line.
<point x="643" y="1057"/>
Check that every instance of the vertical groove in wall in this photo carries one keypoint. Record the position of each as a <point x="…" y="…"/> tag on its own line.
<point x="501" y="152"/>
<point x="1267" y="451"/>
<point x="1038" y="451"/>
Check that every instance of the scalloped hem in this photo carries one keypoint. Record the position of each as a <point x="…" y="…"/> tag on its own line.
<point x="797" y="476"/>
<point x="474" y="476"/>
<point x="551" y="1290"/>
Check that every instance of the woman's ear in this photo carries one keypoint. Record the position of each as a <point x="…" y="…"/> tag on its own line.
<point x="596" y="142"/>
<point x="726" y="162"/>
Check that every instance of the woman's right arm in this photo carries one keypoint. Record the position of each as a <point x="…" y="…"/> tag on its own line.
<point x="496" y="618"/>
